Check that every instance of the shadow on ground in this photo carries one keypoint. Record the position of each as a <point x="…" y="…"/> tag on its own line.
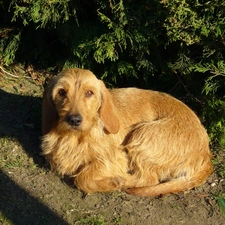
<point x="21" y="208"/>
<point x="20" y="119"/>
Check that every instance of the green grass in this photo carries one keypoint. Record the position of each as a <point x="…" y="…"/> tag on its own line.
<point x="4" y="220"/>
<point x="9" y="156"/>
<point x="92" y="220"/>
<point x="219" y="162"/>
<point x="12" y="155"/>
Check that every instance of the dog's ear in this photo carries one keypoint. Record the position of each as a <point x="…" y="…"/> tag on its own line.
<point x="49" y="113"/>
<point x="108" y="112"/>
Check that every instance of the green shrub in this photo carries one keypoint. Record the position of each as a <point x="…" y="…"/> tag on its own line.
<point x="176" y="46"/>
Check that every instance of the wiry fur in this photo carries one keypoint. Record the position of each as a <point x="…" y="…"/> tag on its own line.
<point x="141" y="141"/>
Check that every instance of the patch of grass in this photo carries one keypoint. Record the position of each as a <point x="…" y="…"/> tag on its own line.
<point x="219" y="162"/>
<point x="4" y="220"/>
<point x="9" y="154"/>
<point x="117" y="220"/>
<point x="12" y="155"/>
<point x="91" y="220"/>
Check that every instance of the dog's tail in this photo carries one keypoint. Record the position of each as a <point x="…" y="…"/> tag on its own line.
<point x="172" y="186"/>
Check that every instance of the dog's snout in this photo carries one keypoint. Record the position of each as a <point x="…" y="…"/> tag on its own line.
<point x="74" y="120"/>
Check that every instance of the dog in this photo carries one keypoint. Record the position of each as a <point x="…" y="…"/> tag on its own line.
<point x="143" y="142"/>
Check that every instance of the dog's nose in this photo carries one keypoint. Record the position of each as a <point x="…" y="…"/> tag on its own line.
<point x="74" y="120"/>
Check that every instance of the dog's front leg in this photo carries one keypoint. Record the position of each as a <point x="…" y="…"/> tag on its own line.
<point x="95" y="178"/>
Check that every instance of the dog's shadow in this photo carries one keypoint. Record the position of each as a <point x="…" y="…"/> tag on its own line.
<point x="20" y="118"/>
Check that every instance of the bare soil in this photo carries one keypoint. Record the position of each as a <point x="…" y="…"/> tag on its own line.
<point x="31" y="194"/>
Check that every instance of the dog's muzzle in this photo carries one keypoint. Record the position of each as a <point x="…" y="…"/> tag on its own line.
<point x="74" y="120"/>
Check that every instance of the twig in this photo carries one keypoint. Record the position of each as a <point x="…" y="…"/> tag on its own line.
<point x="182" y="83"/>
<point x="12" y="75"/>
<point x="184" y="86"/>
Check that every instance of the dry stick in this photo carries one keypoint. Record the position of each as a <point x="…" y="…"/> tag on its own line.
<point x="181" y="82"/>
<point x="12" y="75"/>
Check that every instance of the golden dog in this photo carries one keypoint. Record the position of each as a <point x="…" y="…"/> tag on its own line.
<point x="141" y="141"/>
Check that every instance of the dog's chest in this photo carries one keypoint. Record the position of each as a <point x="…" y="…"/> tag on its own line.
<point x="69" y="154"/>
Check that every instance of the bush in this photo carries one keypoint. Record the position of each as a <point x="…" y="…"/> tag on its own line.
<point x="175" y="46"/>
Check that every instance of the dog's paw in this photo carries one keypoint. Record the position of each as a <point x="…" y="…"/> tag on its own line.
<point x="118" y="182"/>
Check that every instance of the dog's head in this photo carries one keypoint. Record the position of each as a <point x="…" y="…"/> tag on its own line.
<point x="76" y="100"/>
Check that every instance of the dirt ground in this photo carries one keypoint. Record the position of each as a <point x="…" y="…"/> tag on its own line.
<point x="31" y="194"/>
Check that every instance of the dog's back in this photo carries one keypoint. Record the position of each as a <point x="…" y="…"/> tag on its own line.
<point x="167" y="145"/>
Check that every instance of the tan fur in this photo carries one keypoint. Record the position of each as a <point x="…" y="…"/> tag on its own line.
<point x="141" y="141"/>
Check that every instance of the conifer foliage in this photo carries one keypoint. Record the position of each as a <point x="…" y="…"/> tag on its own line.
<point x="176" y="46"/>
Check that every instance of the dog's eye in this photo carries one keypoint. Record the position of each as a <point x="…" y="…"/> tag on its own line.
<point x="62" y="92"/>
<point x="89" y="93"/>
